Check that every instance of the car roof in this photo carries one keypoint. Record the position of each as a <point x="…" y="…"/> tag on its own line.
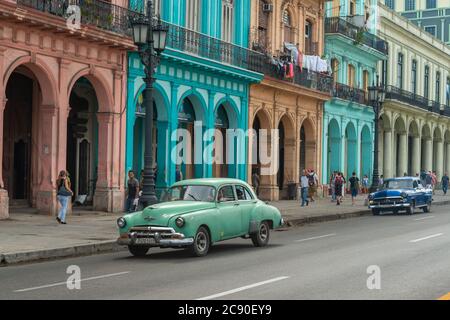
<point x="215" y="182"/>
<point x="403" y="178"/>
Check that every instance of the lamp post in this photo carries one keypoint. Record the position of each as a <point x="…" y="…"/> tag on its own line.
<point x="377" y="94"/>
<point x="150" y="39"/>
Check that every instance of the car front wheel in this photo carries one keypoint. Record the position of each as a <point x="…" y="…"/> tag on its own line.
<point x="427" y="209"/>
<point x="375" y="212"/>
<point x="412" y="209"/>
<point x="138" y="251"/>
<point x="202" y="243"/>
<point x="261" y="238"/>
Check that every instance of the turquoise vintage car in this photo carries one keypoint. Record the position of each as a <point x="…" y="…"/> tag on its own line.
<point x="197" y="213"/>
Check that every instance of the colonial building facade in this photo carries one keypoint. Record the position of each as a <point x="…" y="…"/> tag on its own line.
<point x="290" y="102"/>
<point x="354" y="52"/>
<point x="203" y="80"/>
<point x="415" y="122"/>
<point x="62" y="102"/>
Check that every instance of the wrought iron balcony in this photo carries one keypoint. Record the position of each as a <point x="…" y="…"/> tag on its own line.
<point x="311" y="48"/>
<point x="359" y="35"/>
<point x="348" y="93"/>
<point x="395" y="93"/>
<point x="98" y="13"/>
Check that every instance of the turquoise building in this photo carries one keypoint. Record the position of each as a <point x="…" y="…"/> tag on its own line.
<point x="354" y="51"/>
<point x="202" y="86"/>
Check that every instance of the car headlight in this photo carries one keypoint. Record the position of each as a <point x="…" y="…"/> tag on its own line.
<point x="370" y="196"/>
<point x="121" y="222"/>
<point x="404" y="195"/>
<point x="179" y="222"/>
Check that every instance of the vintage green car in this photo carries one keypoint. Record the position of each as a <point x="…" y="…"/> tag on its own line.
<point x="196" y="213"/>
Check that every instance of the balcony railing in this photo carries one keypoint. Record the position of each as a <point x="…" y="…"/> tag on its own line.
<point x="348" y="93"/>
<point x="342" y="26"/>
<point x="98" y="13"/>
<point x="416" y="100"/>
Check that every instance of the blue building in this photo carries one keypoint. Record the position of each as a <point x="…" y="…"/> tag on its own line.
<point x="202" y="84"/>
<point x="354" y="51"/>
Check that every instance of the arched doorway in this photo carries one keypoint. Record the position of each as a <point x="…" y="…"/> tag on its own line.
<point x="366" y="152"/>
<point x="286" y="154"/>
<point x="82" y="141"/>
<point x="427" y="148"/>
<point x="413" y="149"/>
<point x="22" y="92"/>
<point x="307" y="147"/>
<point x="350" y="149"/>
<point x="334" y="147"/>
<point x="400" y="148"/>
<point x="437" y="152"/>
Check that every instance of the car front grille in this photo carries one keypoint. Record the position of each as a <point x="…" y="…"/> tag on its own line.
<point x="388" y="201"/>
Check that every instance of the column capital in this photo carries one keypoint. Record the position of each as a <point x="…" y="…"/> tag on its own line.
<point x="48" y="109"/>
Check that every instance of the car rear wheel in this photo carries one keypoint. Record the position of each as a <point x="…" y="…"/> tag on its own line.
<point x="412" y="209"/>
<point x="202" y="243"/>
<point x="427" y="209"/>
<point x="138" y="251"/>
<point x="375" y="212"/>
<point x="261" y="238"/>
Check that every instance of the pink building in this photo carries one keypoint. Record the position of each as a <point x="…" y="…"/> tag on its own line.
<point x="62" y="101"/>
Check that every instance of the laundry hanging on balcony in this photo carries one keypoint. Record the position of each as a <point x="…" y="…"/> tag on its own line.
<point x="315" y="64"/>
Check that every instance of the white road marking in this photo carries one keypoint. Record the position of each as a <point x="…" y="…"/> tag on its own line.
<point x="65" y="282"/>
<point x="430" y="217"/>
<point x="218" y="295"/>
<point x="319" y="237"/>
<point x="426" y="238"/>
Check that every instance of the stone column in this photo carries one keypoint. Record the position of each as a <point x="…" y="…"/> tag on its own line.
<point x="416" y="155"/>
<point x="387" y="166"/>
<point x="440" y="160"/>
<point x="428" y="165"/>
<point x="4" y="200"/>
<point x="46" y="150"/>
<point x="403" y="155"/>
<point x="447" y="160"/>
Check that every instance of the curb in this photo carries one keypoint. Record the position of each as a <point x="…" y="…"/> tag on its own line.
<point x="332" y="217"/>
<point x="51" y="254"/>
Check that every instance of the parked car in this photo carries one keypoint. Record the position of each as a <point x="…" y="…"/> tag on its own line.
<point x="197" y="213"/>
<point x="401" y="194"/>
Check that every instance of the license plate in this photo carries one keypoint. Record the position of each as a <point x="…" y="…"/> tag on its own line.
<point x="147" y="241"/>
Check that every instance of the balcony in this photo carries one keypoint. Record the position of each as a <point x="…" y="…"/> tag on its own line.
<point x="395" y="93"/>
<point x="348" y="93"/>
<point x="98" y="13"/>
<point x="338" y="25"/>
<point x="311" y="48"/>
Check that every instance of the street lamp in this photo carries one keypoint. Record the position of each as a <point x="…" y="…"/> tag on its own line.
<point x="377" y="95"/>
<point x="151" y="42"/>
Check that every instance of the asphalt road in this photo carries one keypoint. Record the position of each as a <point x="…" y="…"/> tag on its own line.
<point x="321" y="261"/>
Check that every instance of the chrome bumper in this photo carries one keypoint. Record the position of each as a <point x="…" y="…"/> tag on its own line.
<point x="389" y="206"/>
<point x="154" y="237"/>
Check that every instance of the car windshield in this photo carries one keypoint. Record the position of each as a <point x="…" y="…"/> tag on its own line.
<point x="398" y="184"/>
<point x="189" y="193"/>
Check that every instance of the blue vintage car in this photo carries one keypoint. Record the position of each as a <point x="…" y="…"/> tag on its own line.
<point x="401" y="194"/>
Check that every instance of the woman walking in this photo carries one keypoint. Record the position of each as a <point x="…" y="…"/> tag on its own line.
<point x="64" y="195"/>
<point x="339" y="183"/>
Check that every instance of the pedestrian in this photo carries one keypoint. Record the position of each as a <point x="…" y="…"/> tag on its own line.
<point x="304" y="184"/>
<point x="405" y="174"/>
<point x="344" y="182"/>
<point x="178" y="174"/>
<point x="429" y="181"/>
<point x="255" y="182"/>
<point x="332" y="186"/>
<point x="313" y="182"/>
<point x="423" y="177"/>
<point x="64" y="194"/>
<point x="445" y="181"/>
<point x="433" y="180"/>
<point x="339" y="182"/>
<point x="132" y="192"/>
<point x="381" y="180"/>
<point x="354" y="187"/>
<point x="365" y="184"/>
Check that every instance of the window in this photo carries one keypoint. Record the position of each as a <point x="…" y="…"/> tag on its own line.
<point x="227" y="20"/>
<point x="426" y="85"/>
<point x="400" y="71"/>
<point x="141" y="6"/>
<point x="189" y="193"/>
<point x="310" y="47"/>
<point x="351" y="75"/>
<point x="193" y="8"/>
<point x="438" y="87"/>
<point x="335" y="69"/>
<point x="431" y="30"/>
<point x="390" y="4"/>
<point x="263" y="26"/>
<point x="352" y="7"/>
<point x="287" y="26"/>
<point x="365" y="80"/>
<point x="243" y="194"/>
<point x="414" y="77"/>
<point x="431" y="4"/>
<point x="384" y="72"/>
<point x="226" y="194"/>
<point x="410" y="5"/>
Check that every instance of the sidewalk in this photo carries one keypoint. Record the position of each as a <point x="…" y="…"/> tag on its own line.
<point x="28" y="236"/>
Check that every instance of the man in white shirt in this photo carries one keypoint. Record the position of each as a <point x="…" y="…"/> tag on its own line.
<point x="304" y="184"/>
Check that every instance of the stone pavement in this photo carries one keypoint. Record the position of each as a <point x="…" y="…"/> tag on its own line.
<point x="28" y="236"/>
